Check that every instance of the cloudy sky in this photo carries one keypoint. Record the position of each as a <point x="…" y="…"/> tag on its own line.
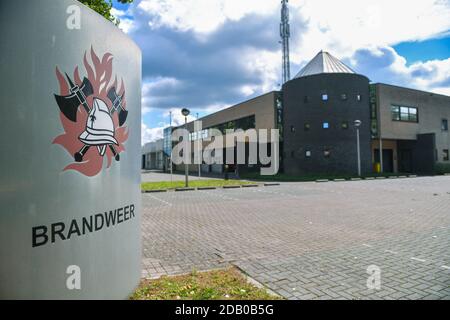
<point x="210" y="54"/>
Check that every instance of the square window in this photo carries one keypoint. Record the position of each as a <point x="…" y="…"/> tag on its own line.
<point x="324" y="97"/>
<point x="358" y="97"/>
<point x="326" y="153"/>
<point x="326" y="125"/>
<point x="308" y="153"/>
<point x="307" y="126"/>
<point x="343" y="96"/>
<point x="444" y="125"/>
<point x="395" y="110"/>
<point x="446" y="155"/>
<point x="413" y="117"/>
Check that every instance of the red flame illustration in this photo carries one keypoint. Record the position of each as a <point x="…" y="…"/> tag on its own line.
<point x="99" y="74"/>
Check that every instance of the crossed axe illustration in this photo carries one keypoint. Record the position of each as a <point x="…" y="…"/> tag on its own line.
<point x="78" y="94"/>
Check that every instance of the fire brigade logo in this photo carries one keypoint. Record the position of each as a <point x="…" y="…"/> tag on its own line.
<point x="93" y="114"/>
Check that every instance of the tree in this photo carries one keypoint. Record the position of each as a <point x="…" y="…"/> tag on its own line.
<point x="104" y="7"/>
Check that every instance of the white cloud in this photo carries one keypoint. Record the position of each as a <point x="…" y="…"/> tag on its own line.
<point x="386" y="65"/>
<point x="267" y="63"/>
<point x="126" y="24"/>
<point x="345" y="26"/>
<point x="177" y="117"/>
<point x="341" y="27"/>
<point x="153" y="86"/>
<point x="150" y="134"/>
<point x="202" y="16"/>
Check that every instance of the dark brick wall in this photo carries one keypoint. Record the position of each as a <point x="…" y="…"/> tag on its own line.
<point x="340" y="142"/>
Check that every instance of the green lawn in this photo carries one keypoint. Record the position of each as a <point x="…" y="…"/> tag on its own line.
<point x="211" y="285"/>
<point x="192" y="183"/>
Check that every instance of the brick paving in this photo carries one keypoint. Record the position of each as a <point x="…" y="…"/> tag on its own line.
<point x="309" y="240"/>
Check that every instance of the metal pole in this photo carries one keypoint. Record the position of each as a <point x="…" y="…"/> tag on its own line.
<point x="186" y="170"/>
<point x="171" y="167"/>
<point x="171" y="163"/>
<point x="359" y="152"/>
<point x="381" y="155"/>
<point x="199" y="140"/>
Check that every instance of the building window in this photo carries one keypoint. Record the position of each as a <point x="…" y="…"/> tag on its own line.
<point x="444" y="125"/>
<point x="326" y="153"/>
<point x="306" y="99"/>
<point x="358" y="97"/>
<point x="406" y="114"/>
<point x="292" y="154"/>
<point x="292" y="129"/>
<point x="308" y="153"/>
<point x="344" y="125"/>
<point x="326" y="125"/>
<point x="307" y="126"/>
<point x="324" y="97"/>
<point x="343" y="96"/>
<point x="446" y="155"/>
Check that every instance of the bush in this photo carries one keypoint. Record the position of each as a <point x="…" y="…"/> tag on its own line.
<point x="442" y="168"/>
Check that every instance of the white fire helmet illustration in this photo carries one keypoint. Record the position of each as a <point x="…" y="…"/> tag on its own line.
<point x="99" y="126"/>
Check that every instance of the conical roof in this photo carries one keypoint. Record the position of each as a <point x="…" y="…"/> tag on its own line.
<point x="324" y="62"/>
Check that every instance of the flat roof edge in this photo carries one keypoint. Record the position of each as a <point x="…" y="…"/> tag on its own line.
<point x="410" y="89"/>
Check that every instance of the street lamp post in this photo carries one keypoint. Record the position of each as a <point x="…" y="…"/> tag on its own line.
<point x="357" y="124"/>
<point x="171" y="163"/>
<point x="185" y="112"/>
<point x="199" y="141"/>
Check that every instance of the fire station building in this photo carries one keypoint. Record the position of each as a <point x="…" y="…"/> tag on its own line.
<point x="316" y="113"/>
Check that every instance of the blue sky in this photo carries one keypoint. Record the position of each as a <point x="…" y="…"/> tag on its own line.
<point x="210" y="54"/>
<point x="419" y="51"/>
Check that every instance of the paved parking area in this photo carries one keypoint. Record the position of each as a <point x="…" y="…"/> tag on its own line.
<point x="310" y="240"/>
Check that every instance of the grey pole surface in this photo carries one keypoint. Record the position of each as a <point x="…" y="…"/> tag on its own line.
<point x="186" y="168"/>
<point x="381" y="154"/>
<point x="68" y="229"/>
<point x="185" y="112"/>
<point x="171" y="163"/>
<point x="359" y="152"/>
<point x="357" y="124"/>
<point x="199" y="141"/>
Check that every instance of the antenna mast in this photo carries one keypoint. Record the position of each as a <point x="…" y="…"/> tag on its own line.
<point x="285" y="33"/>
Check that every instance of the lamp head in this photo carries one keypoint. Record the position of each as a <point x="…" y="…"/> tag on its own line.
<point x="357" y="123"/>
<point x="185" y="112"/>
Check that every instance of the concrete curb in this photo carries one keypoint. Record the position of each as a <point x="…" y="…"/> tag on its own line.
<point x="272" y="184"/>
<point x="154" y="191"/>
<point x="256" y="283"/>
<point x="210" y="188"/>
<point x="184" y="189"/>
<point x="206" y="188"/>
